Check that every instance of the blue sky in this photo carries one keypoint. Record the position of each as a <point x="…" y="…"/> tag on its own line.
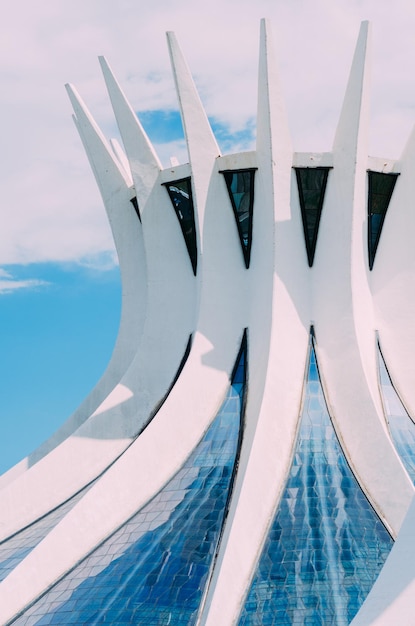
<point x="59" y="284"/>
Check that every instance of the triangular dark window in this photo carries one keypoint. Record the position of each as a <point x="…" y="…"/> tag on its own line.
<point x="381" y="187"/>
<point x="311" y="183"/>
<point x="134" y="202"/>
<point x="180" y="192"/>
<point x="240" y="184"/>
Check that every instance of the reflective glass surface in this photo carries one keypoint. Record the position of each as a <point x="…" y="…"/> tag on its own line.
<point x="240" y="185"/>
<point x="311" y="183"/>
<point x="326" y="545"/>
<point x="154" y="569"/>
<point x="381" y="187"/>
<point x="180" y="193"/>
<point x="401" y="427"/>
<point x="15" y="549"/>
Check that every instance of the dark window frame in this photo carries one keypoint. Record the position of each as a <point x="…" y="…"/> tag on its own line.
<point x="134" y="202"/>
<point x="191" y="242"/>
<point x="311" y="246"/>
<point x="246" y="249"/>
<point x="372" y="246"/>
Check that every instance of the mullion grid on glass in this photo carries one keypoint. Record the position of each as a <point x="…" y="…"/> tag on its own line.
<point x="400" y="424"/>
<point x="17" y="547"/>
<point x="155" y="567"/>
<point x="239" y="380"/>
<point x="241" y="186"/>
<point x="181" y="197"/>
<point x="326" y="545"/>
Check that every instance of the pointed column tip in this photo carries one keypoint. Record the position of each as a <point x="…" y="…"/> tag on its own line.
<point x="103" y="60"/>
<point x="354" y="117"/>
<point x="74" y="97"/>
<point x="171" y="38"/>
<point x="364" y="31"/>
<point x="194" y="118"/>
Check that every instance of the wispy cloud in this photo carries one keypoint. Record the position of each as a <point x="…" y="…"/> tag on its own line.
<point x="8" y="283"/>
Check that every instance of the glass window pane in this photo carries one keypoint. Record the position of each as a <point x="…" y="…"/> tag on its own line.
<point x="154" y="569"/>
<point x="240" y="186"/>
<point x="381" y="187"/>
<point x="311" y="183"/>
<point x="326" y="545"/>
<point x="180" y="193"/>
<point x="401" y="427"/>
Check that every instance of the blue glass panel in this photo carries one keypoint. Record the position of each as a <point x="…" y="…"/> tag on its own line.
<point x="154" y="569"/>
<point x="15" y="549"/>
<point x="326" y="545"/>
<point x="401" y="427"/>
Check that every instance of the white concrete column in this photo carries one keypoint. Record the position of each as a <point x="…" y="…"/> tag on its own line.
<point x="343" y="310"/>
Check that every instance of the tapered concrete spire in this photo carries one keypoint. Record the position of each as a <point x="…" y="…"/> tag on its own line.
<point x="122" y="158"/>
<point x="144" y="163"/>
<point x="273" y="135"/>
<point x="353" y="123"/>
<point x="201" y="143"/>
<point x="107" y="170"/>
<point x="200" y="140"/>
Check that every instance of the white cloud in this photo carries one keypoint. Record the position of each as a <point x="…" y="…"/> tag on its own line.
<point x="49" y="205"/>
<point x="9" y="284"/>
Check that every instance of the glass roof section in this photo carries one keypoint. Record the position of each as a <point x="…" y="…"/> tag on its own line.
<point x="155" y="568"/>
<point x="401" y="427"/>
<point x="326" y="545"/>
<point x="15" y="549"/>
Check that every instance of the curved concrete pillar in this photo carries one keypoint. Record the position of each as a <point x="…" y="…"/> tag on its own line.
<point x="278" y="325"/>
<point x="131" y="482"/>
<point x="184" y="417"/>
<point x="343" y="311"/>
<point x="115" y="185"/>
<point x="132" y="402"/>
<point x="393" y="281"/>
<point x="391" y="600"/>
<point x="142" y="158"/>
